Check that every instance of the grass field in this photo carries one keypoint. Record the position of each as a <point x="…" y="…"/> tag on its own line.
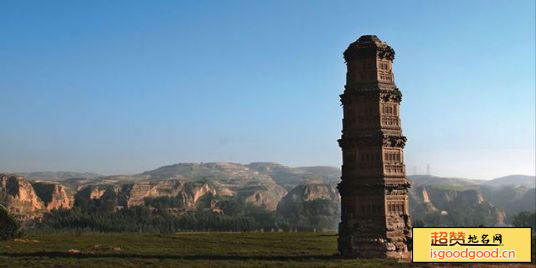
<point x="183" y="249"/>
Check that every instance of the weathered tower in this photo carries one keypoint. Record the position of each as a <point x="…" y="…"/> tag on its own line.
<point x="374" y="188"/>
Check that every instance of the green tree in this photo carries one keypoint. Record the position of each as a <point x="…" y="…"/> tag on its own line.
<point x="9" y="227"/>
<point x="525" y="219"/>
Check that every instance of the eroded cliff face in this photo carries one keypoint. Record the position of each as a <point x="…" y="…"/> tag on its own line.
<point x="263" y="196"/>
<point x="192" y="195"/>
<point x="20" y="198"/>
<point x="454" y="205"/>
<point x="311" y="204"/>
<point x="53" y="195"/>
<point x="189" y="195"/>
<point x="99" y="197"/>
<point x="311" y="192"/>
<point x="202" y="195"/>
<point x="320" y="191"/>
<point x="443" y="199"/>
<point x="198" y="196"/>
<point x="306" y="203"/>
<point x="424" y="198"/>
<point x="137" y="192"/>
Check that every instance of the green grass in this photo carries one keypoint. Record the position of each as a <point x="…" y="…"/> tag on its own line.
<point x="183" y="249"/>
<point x="191" y="249"/>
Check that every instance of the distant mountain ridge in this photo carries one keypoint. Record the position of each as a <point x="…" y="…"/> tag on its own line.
<point x="292" y="176"/>
<point x="57" y="175"/>
<point x="256" y="171"/>
<point x="417" y="180"/>
<point x="280" y="173"/>
<point x="513" y="180"/>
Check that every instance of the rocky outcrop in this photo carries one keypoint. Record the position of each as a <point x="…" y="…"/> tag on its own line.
<point x="265" y="196"/>
<point x="420" y="200"/>
<point x="445" y="207"/>
<point x="54" y="196"/>
<point x="190" y="195"/>
<point x="19" y="197"/>
<point x="137" y="192"/>
<point x="95" y="192"/>
<point x="312" y="205"/>
<point x="233" y="188"/>
<point x="193" y="193"/>
<point x="311" y="192"/>
<point x="99" y="197"/>
<point x="512" y="199"/>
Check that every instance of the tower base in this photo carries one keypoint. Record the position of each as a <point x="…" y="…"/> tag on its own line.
<point x="355" y="244"/>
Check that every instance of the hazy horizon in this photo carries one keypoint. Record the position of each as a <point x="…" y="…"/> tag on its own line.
<point x="141" y="171"/>
<point x="127" y="86"/>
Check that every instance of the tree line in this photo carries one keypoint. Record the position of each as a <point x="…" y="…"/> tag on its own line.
<point x="160" y="215"/>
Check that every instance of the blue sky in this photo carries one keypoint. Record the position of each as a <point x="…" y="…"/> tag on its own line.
<point x="126" y="86"/>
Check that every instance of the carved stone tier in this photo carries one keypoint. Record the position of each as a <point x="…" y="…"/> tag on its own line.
<point x="389" y="186"/>
<point x="394" y="141"/>
<point x="378" y="138"/>
<point x="350" y="97"/>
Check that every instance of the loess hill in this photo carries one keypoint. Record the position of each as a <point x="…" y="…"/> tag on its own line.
<point x="302" y="195"/>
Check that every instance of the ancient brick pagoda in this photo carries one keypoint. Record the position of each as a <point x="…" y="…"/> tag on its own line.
<point x="374" y="188"/>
